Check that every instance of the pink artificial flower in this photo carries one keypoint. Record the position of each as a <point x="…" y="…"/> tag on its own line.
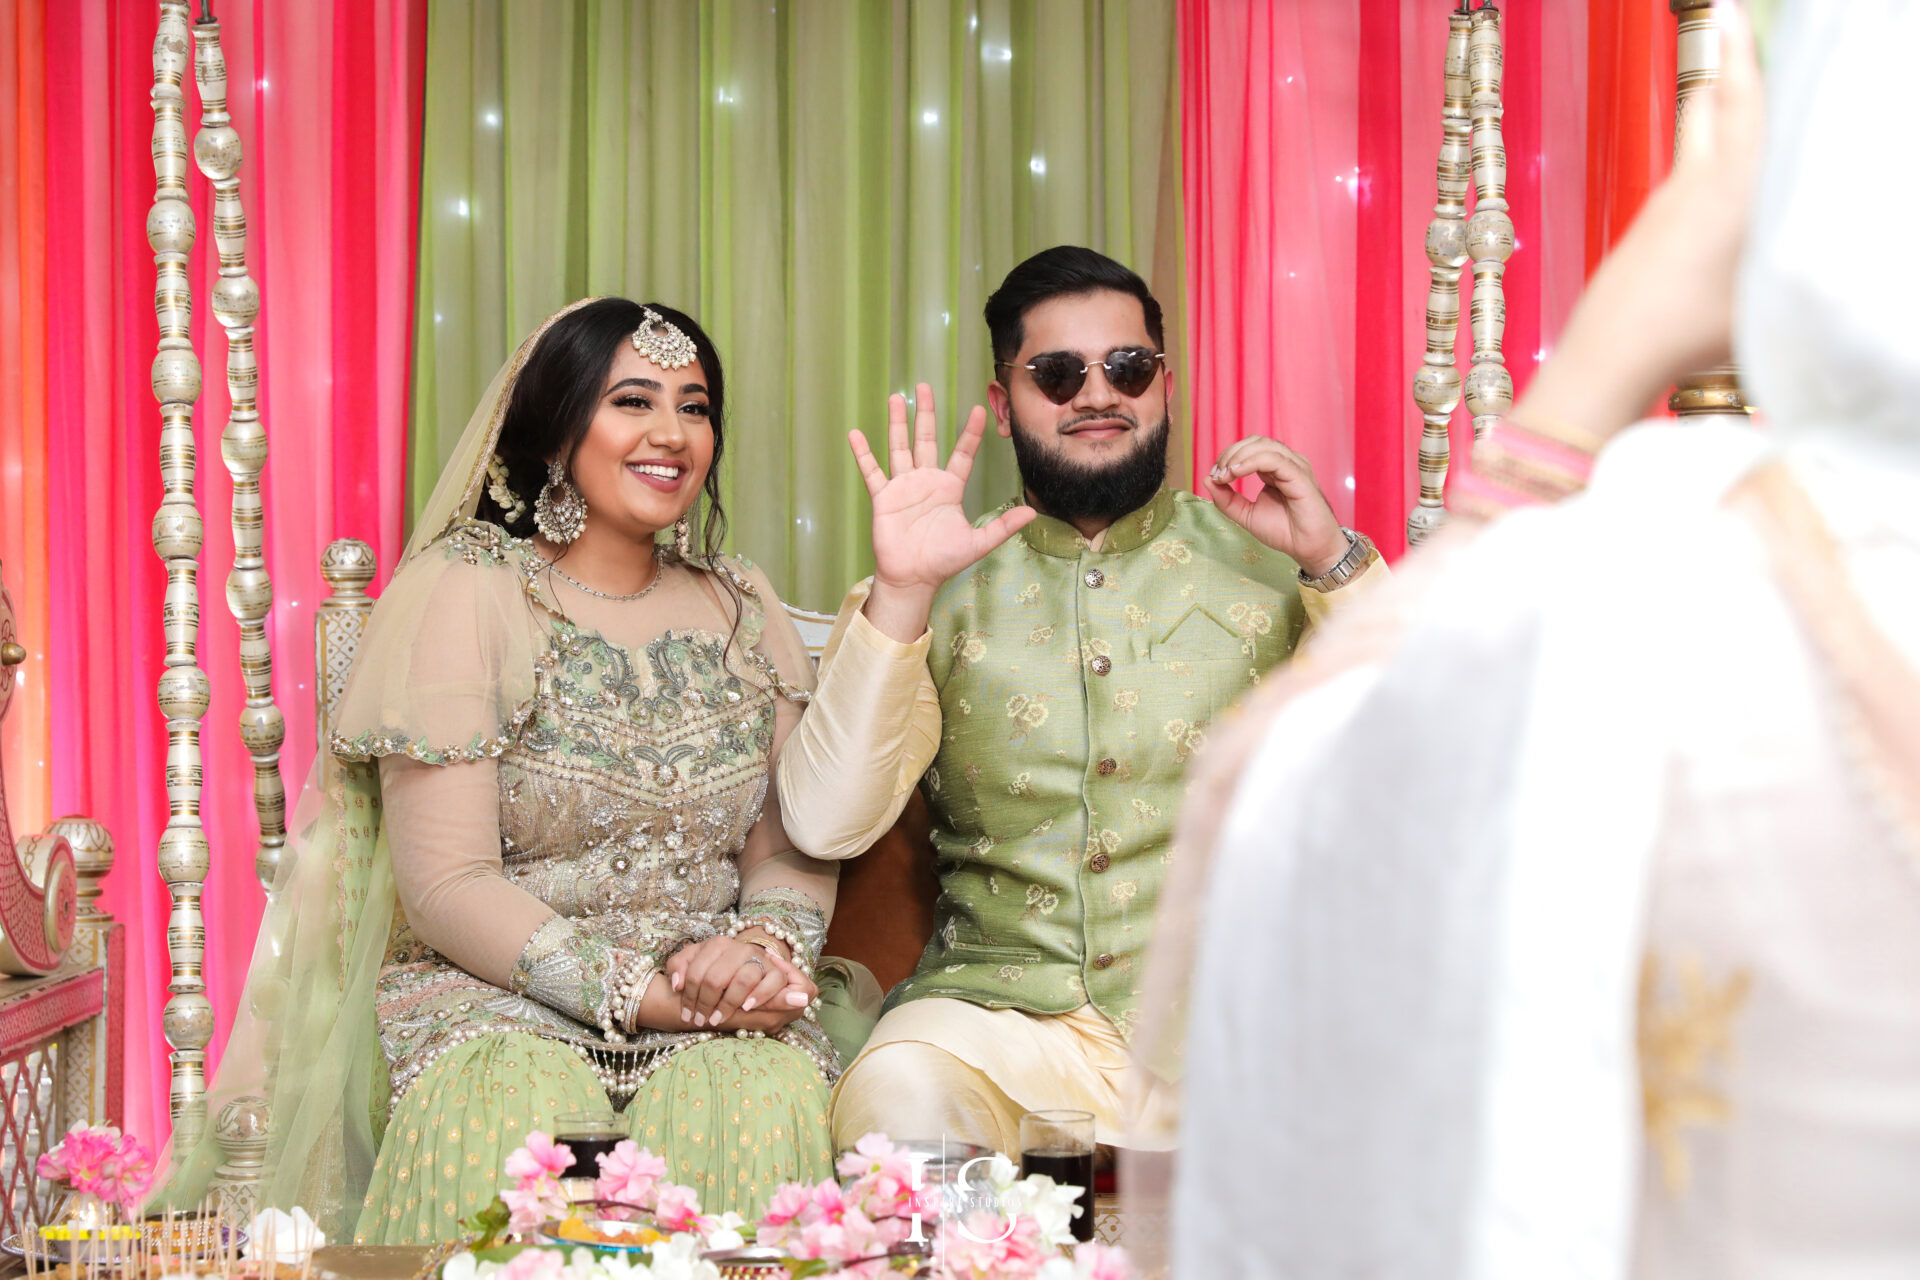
<point x="849" y="1236"/>
<point x="866" y="1156"/>
<point x="533" y="1264"/>
<point x="883" y="1176"/>
<point x="127" y="1173"/>
<point x="787" y="1204"/>
<point x="830" y="1199"/>
<point x="677" y="1208"/>
<point x="984" y="1249"/>
<point x="80" y="1156"/>
<point x="629" y="1175"/>
<point x="101" y="1161"/>
<point x="781" y="1221"/>
<point x="1101" y="1262"/>
<point x="534" y="1204"/>
<point x="541" y="1157"/>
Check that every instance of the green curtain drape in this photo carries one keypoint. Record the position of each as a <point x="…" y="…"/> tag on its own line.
<point x="832" y="186"/>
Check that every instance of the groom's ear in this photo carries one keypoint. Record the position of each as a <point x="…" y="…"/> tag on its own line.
<point x="1002" y="405"/>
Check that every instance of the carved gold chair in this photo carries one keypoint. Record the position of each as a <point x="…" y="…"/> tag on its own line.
<point x="62" y="971"/>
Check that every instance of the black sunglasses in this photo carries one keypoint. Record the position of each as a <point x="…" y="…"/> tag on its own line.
<point x="1060" y="375"/>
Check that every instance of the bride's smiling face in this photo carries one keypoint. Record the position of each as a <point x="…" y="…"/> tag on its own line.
<point x="647" y="451"/>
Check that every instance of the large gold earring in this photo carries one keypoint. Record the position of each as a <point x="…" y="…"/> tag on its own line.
<point x="559" y="512"/>
<point x="683" y="538"/>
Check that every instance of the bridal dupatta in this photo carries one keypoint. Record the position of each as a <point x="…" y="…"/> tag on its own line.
<point x="304" y="1059"/>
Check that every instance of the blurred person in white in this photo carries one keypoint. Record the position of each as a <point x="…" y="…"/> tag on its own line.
<point x="1626" y="979"/>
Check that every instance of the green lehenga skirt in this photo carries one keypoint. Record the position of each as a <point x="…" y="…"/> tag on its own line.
<point x="732" y="1118"/>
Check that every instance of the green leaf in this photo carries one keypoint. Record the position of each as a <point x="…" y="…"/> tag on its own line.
<point x="489" y="1224"/>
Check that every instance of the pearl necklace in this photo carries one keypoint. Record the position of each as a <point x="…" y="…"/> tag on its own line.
<point x="658" y="560"/>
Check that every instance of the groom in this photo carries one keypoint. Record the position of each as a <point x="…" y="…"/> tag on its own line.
<point x="1048" y="698"/>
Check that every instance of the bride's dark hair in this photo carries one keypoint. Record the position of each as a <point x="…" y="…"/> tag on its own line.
<point x="558" y="392"/>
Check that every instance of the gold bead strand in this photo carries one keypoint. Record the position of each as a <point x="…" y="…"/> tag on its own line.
<point x="177" y="533"/>
<point x="243" y="445"/>
<point x="1489" y="387"/>
<point x="1436" y="386"/>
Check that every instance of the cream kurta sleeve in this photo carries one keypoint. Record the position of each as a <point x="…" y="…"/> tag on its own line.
<point x="846" y="771"/>
<point x="1320" y="605"/>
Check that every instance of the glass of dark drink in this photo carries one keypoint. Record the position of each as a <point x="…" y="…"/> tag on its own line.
<point x="589" y="1135"/>
<point x="1060" y="1145"/>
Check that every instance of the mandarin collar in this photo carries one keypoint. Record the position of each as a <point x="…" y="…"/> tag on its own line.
<point x="1051" y="537"/>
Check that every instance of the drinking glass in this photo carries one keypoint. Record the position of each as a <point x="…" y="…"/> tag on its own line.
<point x="589" y="1134"/>
<point x="1060" y="1145"/>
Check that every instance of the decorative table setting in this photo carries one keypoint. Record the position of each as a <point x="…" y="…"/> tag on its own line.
<point x="943" y="1211"/>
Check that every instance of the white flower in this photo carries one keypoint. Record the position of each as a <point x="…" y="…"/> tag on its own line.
<point x="726" y="1233"/>
<point x="285" y="1237"/>
<point x="1001" y="1173"/>
<point x="1051" y="1206"/>
<point x="1056" y="1269"/>
<point x="679" y="1259"/>
<point x="584" y="1264"/>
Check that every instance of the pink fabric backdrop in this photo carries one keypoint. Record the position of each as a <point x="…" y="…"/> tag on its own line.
<point x="1310" y="134"/>
<point x="329" y="191"/>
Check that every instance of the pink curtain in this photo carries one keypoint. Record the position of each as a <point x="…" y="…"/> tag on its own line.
<point x="329" y="190"/>
<point x="1310" y="134"/>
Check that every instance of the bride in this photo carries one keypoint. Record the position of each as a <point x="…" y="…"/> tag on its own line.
<point x="542" y="871"/>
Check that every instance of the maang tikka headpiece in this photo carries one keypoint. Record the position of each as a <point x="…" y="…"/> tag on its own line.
<point x="661" y="341"/>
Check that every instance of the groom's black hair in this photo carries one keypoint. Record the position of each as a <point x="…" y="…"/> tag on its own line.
<point x="1058" y="272"/>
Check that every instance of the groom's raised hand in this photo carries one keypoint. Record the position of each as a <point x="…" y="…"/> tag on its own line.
<point x="921" y="534"/>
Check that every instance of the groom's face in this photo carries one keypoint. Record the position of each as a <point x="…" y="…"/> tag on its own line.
<point x="642" y="462"/>
<point x="1102" y="452"/>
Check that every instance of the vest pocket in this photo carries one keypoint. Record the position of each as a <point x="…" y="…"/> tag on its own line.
<point x="1197" y="637"/>
<point x="979" y="952"/>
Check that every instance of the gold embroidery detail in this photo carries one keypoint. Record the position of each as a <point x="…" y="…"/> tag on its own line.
<point x="1028" y="712"/>
<point x="1685" y="1028"/>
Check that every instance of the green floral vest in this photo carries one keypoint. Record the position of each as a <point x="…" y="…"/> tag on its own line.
<point x="1075" y="685"/>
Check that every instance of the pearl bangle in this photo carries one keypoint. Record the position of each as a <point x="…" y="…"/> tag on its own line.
<point x="630" y="983"/>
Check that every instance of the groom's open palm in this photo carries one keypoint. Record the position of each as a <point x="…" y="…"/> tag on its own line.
<point x="921" y="534"/>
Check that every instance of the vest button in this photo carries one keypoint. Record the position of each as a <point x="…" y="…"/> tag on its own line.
<point x="1106" y="767"/>
<point x="1101" y="665"/>
<point x="1101" y="862"/>
<point x="1104" y="960"/>
<point x="1095" y="579"/>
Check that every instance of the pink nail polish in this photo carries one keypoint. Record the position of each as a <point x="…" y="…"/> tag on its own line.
<point x="699" y="1019"/>
<point x="747" y="1007"/>
<point x="685" y="1016"/>
<point x="796" y="998"/>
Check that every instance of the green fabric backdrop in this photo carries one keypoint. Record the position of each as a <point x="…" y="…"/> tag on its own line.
<point x="832" y="186"/>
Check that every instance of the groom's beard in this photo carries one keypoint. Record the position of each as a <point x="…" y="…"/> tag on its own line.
<point x="1069" y="490"/>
